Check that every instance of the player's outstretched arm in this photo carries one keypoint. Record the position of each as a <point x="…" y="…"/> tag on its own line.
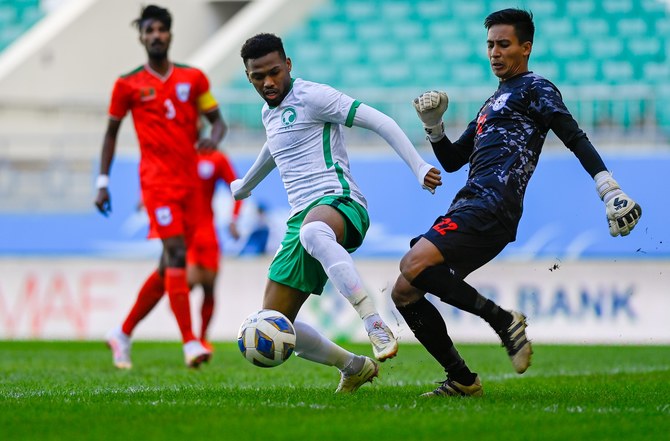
<point x="372" y="119"/>
<point x="622" y="212"/>
<point x="430" y="106"/>
<point x="264" y="164"/>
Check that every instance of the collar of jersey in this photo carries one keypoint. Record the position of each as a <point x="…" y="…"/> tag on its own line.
<point x="289" y="91"/>
<point x="163" y="78"/>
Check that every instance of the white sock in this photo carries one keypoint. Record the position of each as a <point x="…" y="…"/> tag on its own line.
<point x="320" y="242"/>
<point x="313" y="346"/>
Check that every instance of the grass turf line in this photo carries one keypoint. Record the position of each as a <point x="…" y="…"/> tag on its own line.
<point x="70" y="390"/>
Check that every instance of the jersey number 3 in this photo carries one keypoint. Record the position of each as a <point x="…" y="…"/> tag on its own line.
<point x="170" y="111"/>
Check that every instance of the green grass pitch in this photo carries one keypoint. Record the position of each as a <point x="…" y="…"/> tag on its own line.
<point x="70" y="391"/>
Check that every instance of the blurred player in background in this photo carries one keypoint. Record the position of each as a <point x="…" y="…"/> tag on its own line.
<point x="328" y="218"/>
<point x="166" y="101"/>
<point x="501" y="146"/>
<point x="204" y="250"/>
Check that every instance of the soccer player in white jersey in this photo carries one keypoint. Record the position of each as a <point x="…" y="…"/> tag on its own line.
<point x="328" y="219"/>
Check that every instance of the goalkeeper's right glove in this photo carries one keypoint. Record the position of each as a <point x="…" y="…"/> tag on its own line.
<point x="623" y="213"/>
<point x="430" y="106"/>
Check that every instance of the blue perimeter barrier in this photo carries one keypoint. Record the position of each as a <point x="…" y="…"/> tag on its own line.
<point x="563" y="219"/>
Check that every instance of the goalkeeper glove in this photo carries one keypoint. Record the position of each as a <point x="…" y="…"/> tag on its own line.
<point x="622" y="212"/>
<point x="430" y="106"/>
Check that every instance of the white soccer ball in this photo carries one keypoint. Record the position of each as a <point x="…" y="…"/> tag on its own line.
<point x="266" y="338"/>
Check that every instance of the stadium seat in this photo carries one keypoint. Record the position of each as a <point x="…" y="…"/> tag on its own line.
<point x="422" y="44"/>
<point x="16" y="17"/>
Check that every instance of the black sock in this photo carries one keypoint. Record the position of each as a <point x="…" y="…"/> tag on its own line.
<point x="429" y="328"/>
<point x="439" y="280"/>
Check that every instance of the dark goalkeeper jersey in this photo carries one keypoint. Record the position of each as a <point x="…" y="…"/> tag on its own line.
<point x="503" y="144"/>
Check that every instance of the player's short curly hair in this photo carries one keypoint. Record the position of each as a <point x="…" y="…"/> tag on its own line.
<point x="153" y="12"/>
<point x="520" y="19"/>
<point x="260" y="45"/>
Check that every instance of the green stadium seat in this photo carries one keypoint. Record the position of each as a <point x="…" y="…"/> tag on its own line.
<point x="439" y="33"/>
<point x="335" y="31"/>
<point x="366" y="31"/>
<point x="617" y="72"/>
<point x="621" y="7"/>
<point x="352" y="74"/>
<point x="8" y="14"/>
<point x="394" y="74"/>
<point x="543" y="8"/>
<point x="419" y="51"/>
<point x="340" y="54"/>
<point x="568" y="49"/>
<point x="468" y="9"/>
<point x="383" y="51"/>
<point x="593" y="27"/>
<point x="555" y="28"/>
<point x="455" y="53"/>
<point x="407" y="31"/>
<point x="581" y="72"/>
<point x="308" y="50"/>
<point x="631" y="26"/>
<point x="394" y="10"/>
<point x="655" y="72"/>
<point x="647" y="47"/>
<point x="431" y="10"/>
<point x="605" y="48"/>
<point x="580" y="8"/>
<point x="354" y="45"/>
<point x="468" y="74"/>
<point x="356" y="11"/>
<point x="548" y="69"/>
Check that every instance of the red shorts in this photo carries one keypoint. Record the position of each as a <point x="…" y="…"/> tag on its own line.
<point x="172" y="211"/>
<point x="204" y="249"/>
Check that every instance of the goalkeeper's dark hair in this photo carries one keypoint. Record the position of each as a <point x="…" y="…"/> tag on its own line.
<point x="520" y="19"/>
<point x="260" y="45"/>
<point x="153" y="12"/>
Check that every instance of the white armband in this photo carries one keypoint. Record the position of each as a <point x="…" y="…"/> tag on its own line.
<point x="102" y="181"/>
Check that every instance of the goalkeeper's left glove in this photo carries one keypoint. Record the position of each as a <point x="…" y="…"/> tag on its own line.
<point x="623" y="213"/>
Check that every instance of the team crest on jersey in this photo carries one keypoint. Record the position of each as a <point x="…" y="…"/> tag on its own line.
<point x="205" y="169"/>
<point x="147" y="93"/>
<point x="163" y="216"/>
<point x="500" y="102"/>
<point x="183" y="91"/>
<point x="288" y="116"/>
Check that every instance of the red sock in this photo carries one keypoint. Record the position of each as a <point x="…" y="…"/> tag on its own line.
<point x="206" y="312"/>
<point x="149" y="295"/>
<point x="177" y="289"/>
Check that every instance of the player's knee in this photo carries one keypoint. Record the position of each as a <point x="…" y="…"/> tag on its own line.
<point x="403" y="293"/>
<point x="176" y="256"/>
<point x="314" y="234"/>
<point x="410" y="267"/>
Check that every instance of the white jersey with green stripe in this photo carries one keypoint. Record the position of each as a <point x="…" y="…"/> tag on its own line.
<point x="305" y="139"/>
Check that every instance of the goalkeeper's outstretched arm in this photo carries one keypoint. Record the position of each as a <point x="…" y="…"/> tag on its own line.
<point x="622" y="212"/>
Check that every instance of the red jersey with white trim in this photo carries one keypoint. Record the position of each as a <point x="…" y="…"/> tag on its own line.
<point x="165" y="112"/>
<point x="212" y="167"/>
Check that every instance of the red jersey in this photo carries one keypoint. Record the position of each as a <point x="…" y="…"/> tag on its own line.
<point x="212" y="167"/>
<point x="165" y="110"/>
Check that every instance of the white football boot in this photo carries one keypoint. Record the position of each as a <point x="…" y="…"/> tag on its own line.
<point x="195" y="354"/>
<point x="119" y="343"/>
<point x="351" y="382"/>
<point x="384" y="343"/>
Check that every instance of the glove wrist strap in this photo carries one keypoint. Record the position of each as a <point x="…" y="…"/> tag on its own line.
<point x="606" y="186"/>
<point x="434" y="133"/>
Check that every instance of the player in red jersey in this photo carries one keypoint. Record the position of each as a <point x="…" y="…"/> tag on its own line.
<point x="166" y="101"/>
<point x="203" y="252"/>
